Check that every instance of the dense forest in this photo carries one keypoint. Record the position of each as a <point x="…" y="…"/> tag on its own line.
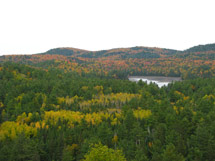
<point x="70" y="104"/>
<point x="196" y="62"/>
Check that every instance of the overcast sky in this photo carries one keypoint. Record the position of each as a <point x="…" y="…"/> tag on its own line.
<point x="34" y="26"/>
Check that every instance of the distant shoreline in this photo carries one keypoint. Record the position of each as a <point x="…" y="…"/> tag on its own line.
<point x="156" y="78"/>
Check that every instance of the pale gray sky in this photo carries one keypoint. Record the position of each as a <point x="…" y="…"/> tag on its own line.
<point x="33" y="26"/>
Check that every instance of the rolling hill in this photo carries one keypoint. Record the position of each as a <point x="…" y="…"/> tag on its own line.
<point x="198" y="61"/>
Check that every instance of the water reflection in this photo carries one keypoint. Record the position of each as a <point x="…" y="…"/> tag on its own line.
<point x="160" y="81"/>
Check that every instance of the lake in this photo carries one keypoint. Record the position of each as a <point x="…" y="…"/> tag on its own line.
<point x="159" y="80"/>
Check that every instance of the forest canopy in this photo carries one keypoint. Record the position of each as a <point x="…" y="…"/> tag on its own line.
<point x="59" y="107"/>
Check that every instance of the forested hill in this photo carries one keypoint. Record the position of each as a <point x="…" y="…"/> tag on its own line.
<point x="60" y="106"/>
<point x="195" y="62"/>
<point x="202" y="48"/>
<point x="134" y="52"/>
<point x="56" y="115"/>
<point x="199" y="52"/>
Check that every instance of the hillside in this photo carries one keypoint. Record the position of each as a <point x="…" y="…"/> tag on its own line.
<point x="51" y="114"/>
<point x="202" y="48"/>
<point x="71" y="104"/>
<point x="134" y="52"/>
<point x="206" y="52"/>
<point x="198" y="61"/>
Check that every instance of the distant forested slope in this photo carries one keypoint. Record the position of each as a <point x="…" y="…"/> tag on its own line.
<point x="195" y="62"/>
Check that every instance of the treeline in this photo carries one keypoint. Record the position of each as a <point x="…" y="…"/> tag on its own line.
<point x="114" y="64"/>
<point x="201" y="48"/>
<point x="55" y="115"/>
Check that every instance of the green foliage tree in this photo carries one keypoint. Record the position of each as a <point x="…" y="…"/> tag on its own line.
<point x="20" y="149"/>
<point x="100" y="152"/>
<point x="171" y="154"/>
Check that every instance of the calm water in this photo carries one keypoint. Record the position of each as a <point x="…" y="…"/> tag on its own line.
<point x="160" y="81"/>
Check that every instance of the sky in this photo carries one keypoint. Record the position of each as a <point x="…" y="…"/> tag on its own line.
<point x="35" y="26"/>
